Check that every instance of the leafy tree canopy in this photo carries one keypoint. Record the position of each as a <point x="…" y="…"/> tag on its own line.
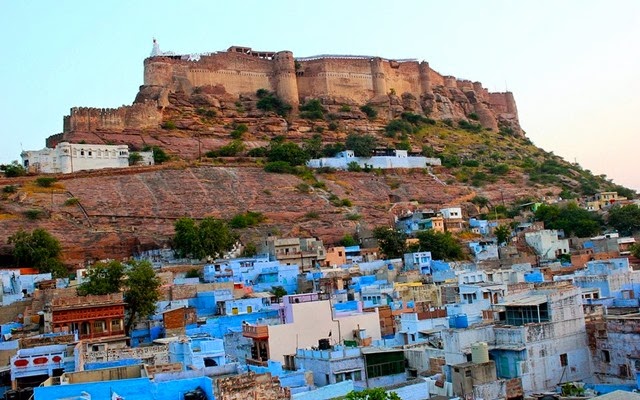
<point x="372" y="394"/>
<point x="443" y="246"/>
<point x="362" y="145"/>
<point x="141" y="293"/>
<point x="625" y="219"/>
<point x="392" y="242"/>
<point x="288" y="152"/>
<point x="103" y="278"/>
<point x="38" y="249"/>
<point x="12" y="170"/>
<point x="572" y="219"/>
<point x="210" y="238"/>
<point x="502" y="232"/>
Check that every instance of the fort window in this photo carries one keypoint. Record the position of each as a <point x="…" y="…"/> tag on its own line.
<point x="81" y="152"/>
<point x="89" y="153"/>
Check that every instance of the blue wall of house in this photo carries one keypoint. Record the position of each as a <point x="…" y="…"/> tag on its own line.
<point x="219" y="326"/>
<point x="204" y="303"/>
<point x="140" y="388"/>
<point x="111" y="364"/>
<point x="140" y="336"/>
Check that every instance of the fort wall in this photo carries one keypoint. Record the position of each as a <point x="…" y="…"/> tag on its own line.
<point x="350" y="78"/>
<point x="89" y="119"/>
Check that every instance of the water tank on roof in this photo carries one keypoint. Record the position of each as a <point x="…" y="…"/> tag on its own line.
<point x="452" y="321"/>
<point x="480" y="352"/>
<point x="462" y="321"/>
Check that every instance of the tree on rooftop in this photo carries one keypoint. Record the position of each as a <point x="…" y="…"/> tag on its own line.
<point x="141" y="292"/>
<point x="102" y="278"/>
<point x="38" y="249"/>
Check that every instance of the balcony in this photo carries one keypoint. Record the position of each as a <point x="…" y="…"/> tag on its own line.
<point x="255" y="331"/>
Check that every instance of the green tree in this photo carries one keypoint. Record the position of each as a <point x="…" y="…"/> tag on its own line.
<point x="392" y="242"/>
<point x="443" y="246"/>
<point x="192" y="273"/>
<point x="38" y="249"/>
<point x="159" y="155"/>
<point x="502" y="232"/>
<point x="12" y="170"/>
<point x="289" y="152"/>
<point x="635" y="250"/>
<point x="215" y="238"/>
<point x="572" y="219"/>
<point x="134" y="158"/>
<point x="313" y="146"/>
<point x="141" y="292"/>
<point x="481" y="202"/>
<point x="312" y="109"/>
<point x="103" y="278"/>
<point x="186" y="242"/>
<point x="348" y="240"/>
<point x="369" y="111"/>
<point x="362" y="145"/>
<point x="625" y="219"/>
<point x="268" y="101"/>
<point x="250" y="250"/>
<point x="278" y="292"/>
<point x="372" y="394"/>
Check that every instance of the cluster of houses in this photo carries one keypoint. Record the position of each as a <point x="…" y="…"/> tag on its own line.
<point x="534" y="315"/>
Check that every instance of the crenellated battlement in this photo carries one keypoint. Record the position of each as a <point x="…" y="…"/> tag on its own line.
<point x="91" y="119"/>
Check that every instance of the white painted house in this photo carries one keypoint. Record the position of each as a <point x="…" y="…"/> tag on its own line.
<point x="71" y="157"/>
<point x="391" y="159"/>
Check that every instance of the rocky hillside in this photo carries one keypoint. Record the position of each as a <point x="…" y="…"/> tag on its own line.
<point x="113" y="213"/>
<point x="118" y="212"/>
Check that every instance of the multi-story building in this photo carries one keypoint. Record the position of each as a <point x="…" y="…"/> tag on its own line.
<point x="89" y="316"/>
<point x="71" y="157"/>
<point x="308" y="253"/>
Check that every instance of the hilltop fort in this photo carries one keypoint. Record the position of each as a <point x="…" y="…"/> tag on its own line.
<point x="224" y="80"/>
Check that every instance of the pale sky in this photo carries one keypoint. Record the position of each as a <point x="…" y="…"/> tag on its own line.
<point x="572" y="65"/>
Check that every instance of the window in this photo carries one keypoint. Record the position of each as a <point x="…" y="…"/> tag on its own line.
<point x="467" y="373"/>
<point x="606" y="356"/>
<point x="81" y="152"/>
<point x="564" y="360"/>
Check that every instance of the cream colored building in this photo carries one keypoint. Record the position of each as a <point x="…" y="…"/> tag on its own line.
<point x="308" y="320"/>
<point x="71" y="157"/>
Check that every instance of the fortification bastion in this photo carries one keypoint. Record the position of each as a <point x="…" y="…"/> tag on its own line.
<point x="227" y="81"/>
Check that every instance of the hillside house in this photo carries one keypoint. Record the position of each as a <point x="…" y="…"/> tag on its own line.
<point x="306" y="320"/>
<point x="89" y="316"/>
<point x="381" y="158"/>
<point x="68" y="157"/>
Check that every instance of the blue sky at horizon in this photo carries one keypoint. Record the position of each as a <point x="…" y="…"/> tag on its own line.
<point x="572" y="65"/>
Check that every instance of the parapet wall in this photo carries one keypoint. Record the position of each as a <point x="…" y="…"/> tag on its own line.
<point x="136" y="116"/>
<point x="357" y="79"/>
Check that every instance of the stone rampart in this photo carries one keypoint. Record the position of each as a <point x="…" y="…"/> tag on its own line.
<point x="89" y="119"/>
<point x="351" y="79"/>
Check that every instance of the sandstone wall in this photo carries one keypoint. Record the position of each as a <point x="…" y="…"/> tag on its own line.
<point x="136" y="116"/>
